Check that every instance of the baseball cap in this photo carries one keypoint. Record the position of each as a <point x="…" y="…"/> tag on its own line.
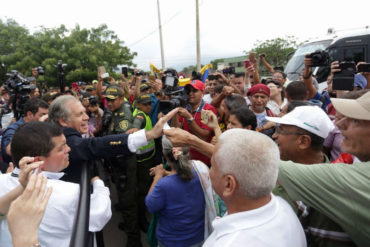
<point x="113" y="92"/>
<point x="144" y="86"/>
<point x="144" y="99"/>
<point x="259" y="88"/>
<point x="310" y="118"/>
<point x="197" y="84"/>
<point x="354" y="108"/>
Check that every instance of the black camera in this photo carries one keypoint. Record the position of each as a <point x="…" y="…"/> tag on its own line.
<point x="177" y="99"/>
<point x="40" y="70"/>
<point x="229" y="70"/>
<point x="139" y="73"/>
<point x="19" y="89"/>
<point x="170" y="81"/>
<point x="319" y="58"/>
<point x="93" y="101"/>
<point x="345" y="79"/>
<point x="364" y="67"/>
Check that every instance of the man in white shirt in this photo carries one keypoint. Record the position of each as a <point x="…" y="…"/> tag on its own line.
<point x="46" y="142"/>
<point x="243" y="174"/>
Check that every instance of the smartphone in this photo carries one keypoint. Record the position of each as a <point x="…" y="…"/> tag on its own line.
<point x="105" y="75"/>
<point x="75" y="86"/>
<point x="247" y="63"/>
<point x="252" y="55"/>
<point x="125" y="71"/>
<point x="204" y="116"/>
<point x="152" y="78"/>
<point x="364" y="67"/>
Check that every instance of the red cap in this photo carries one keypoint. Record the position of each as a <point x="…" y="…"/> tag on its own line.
<point x="197" y="84"/>
<point x="259" y="88"/>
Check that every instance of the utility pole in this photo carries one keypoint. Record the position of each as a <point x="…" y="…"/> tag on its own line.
<point x="197" y="34"/>
<point x="160" y="37"/>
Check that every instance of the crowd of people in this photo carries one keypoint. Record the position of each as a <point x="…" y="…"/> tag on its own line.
<point x="233" y="160"/>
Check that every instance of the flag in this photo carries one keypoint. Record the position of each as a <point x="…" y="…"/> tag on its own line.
<point x="205" y="71"/>
<point x="184" y="81"/>
<point x="155" y="71"/>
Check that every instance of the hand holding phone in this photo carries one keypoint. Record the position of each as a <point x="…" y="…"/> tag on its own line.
<point x="247" y="63"/>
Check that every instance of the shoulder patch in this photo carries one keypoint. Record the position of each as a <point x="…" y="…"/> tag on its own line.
<point x="123" y="124"/>
<point x="140" y="116"/>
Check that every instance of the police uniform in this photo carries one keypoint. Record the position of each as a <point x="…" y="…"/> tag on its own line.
<point x="124" y="170"/>
<point x="145" y="155"/>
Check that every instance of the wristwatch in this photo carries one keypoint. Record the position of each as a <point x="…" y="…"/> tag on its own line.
<point x="190" y="120"/>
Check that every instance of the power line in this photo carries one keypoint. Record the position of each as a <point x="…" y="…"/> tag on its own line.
<point x="156" y="29"/>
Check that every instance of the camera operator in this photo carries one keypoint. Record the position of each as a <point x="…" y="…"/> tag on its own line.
<point x="189" y="118"/>
<point x="33" y="110"/>
<point x="307" y="79"/>
<point x="362" y="79"/>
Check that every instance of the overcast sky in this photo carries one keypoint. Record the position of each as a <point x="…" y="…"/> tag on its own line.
<point x="227" y="27"/>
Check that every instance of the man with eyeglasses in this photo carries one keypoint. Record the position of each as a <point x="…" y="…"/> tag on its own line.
<point x="300" y="136"/>
<point x="340" y="191"/>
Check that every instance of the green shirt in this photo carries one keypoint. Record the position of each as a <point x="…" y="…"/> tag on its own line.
<point x="122" y="120"/>
<point x="340" y="191"/>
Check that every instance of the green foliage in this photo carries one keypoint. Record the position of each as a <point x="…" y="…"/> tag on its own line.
<point x="276" y="50"/>
<point x="188" y="70"/>
<point x="82" y="49"/>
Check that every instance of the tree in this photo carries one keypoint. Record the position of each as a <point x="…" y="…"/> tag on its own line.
<point x="276" y="50"/>
<point x="82" y="49"/>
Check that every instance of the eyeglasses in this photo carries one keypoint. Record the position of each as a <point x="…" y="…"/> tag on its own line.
<point x="280" y="131"/>
<point x="342" y="120"/>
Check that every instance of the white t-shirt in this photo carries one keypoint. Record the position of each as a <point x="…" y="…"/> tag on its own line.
<point x="274" y="224"/>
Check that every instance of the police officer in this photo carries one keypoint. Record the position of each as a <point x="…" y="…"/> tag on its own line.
<point x="124" y="167"/>
<point x="145" y="155"/>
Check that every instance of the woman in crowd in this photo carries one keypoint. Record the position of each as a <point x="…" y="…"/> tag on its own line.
<point x="182" y="198"/>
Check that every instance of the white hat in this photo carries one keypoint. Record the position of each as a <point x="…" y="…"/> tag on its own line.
<point x="310" y="118"/>
<point x="354" y="108"/>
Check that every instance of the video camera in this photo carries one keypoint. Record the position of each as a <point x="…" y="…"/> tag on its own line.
<point x="319" y="58"/>
<point x="345" y="79"/>
<point x="40" y="70"/>
<point x="93" y="100"/>
<point x="178" y="98"/>
<point x="170" y="81"/>
<point x="19" y="89"/>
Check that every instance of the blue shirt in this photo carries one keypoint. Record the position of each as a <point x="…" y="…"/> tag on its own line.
<point x="7" y="138"/>
<point x="324" y="98"/>
<point x="360" y="81"/>
<point x="180" y="206"/>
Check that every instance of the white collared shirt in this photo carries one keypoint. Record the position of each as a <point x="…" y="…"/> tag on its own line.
<point x="274" y="224"/>
<point x="136" y="140"/>
<point x="56" y="226"/>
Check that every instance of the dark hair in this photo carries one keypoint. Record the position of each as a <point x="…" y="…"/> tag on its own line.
<point x="237" y="75"/>
<point x="281" y="72"/>
<point x="294" y="103"/>
<point x="33" y="139"/>
<point x="180" y="165"/>
<point x="234" y="101"/>
<point x="245" y="116"/>
<point x="316" y="141"/>
<point x="296" y="90"/>
<point x="278" y="85"/>
<point x="33" y="106"/>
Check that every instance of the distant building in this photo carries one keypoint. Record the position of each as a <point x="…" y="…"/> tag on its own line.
<point x="236" y="62"/>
